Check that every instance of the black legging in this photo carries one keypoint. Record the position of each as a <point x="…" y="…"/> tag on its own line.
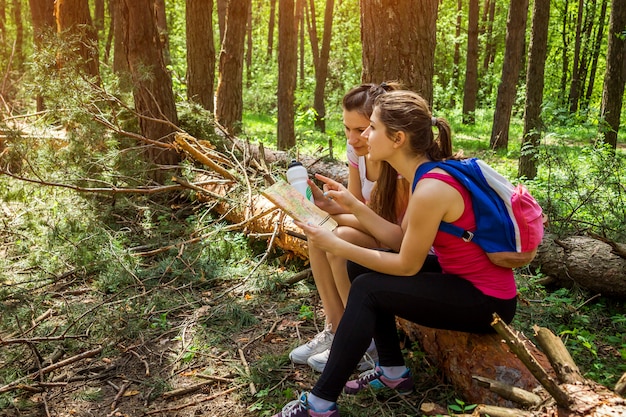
<point x="429" y="298"/>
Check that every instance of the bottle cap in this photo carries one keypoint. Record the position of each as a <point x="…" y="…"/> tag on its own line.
<point x="294" y="163"/>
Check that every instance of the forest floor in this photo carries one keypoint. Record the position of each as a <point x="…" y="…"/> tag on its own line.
<point x="246" y="374"/>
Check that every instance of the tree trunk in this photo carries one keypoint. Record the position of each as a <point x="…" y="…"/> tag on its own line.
<point x="461" y="355"/>
<point x="270" y="32"/>
<point x="615" y="75"/>
<point x="249" y="47"/>
<point x="98" y="18"/>
<point x="596" y="265"/>
<point x="19" y="35"/>
<point x="222" y="10"/>
<point x="489" y="42"/>
<point x="565" y="49"/>
<point x="229" y="97"/>
<point x="42" y="16"/>
<point x="470" y="90"/>
<point x="287" y="73"/>
<point x="75" y="27"/>
<point x="200" y="52"/>
<point x="596" y="52"/>
<point x="398" y="40"/>
<point x="513" y="54"/>
<point x="154" y="98"/>
<point x="120" y="41"/>
<point x="163" y="31"/>
<point x="456" y="60"/>
<point x="320" y="60"/>
<point x="534" y="89"/>
<point x="575" y="81"/>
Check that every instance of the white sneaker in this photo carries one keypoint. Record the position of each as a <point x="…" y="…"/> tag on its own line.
<point x="318" y="361"/>
<point x="368" y="361"/>
<point x="318" y="344"/>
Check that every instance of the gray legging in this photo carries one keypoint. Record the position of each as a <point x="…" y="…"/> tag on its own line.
<point x="429" y="298"/>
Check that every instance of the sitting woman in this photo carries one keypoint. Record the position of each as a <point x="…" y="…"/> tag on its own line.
<point x="374" y="183"/>
<point x="457" y="288"/>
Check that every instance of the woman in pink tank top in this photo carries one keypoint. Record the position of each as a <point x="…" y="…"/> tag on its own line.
<point x="456" y="288"/>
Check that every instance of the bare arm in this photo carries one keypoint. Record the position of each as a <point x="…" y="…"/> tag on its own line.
<point x="431" y="202"/>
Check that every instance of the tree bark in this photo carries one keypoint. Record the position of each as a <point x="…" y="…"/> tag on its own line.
<point x="200" y="53"/>
<point x="516" y="25"/>
<point x="74" y="25"/>
<point x="270" y="31"/>
<point x="229" y="96"/>
<point x="320" y="60"/>
<point x="575" y="81"/>
<point x="534" y="89"/>
<point x="596" y="51"/>
<point x="470" y="90"/>
<point x="42" y="16"/>
<point x="588" y="262"/>
<point x="287" y="73"/>
<point x="152" y="85"/>
<point x="398" y="40"/>
<point x="615" y="75"/>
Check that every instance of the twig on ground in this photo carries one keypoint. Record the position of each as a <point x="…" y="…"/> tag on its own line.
<point x="180" y="407"/>
<point x="119" y="394"/>
<point x="88" y="354"/>
<point x="246" y="367"/>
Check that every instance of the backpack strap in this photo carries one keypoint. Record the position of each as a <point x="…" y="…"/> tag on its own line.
<point x="450" y="228"/>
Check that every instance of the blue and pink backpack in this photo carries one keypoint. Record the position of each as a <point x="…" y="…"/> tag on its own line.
<point x="509" y="221"/>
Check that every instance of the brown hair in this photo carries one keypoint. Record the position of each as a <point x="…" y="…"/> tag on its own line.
<point x="408" y="112"/>
<point x="390" y="193"/>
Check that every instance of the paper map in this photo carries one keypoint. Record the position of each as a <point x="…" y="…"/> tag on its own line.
<point x="285" y="196"/>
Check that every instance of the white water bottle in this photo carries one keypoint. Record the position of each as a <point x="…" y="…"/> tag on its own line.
<point x="297" y="176"/>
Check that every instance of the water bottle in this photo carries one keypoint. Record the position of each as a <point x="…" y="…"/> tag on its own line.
<point x="297" y="176"/>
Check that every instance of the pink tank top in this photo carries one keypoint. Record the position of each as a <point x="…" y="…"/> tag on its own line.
<point x="466" y="259"/>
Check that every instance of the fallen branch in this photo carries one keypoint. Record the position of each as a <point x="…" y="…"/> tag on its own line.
<point x="180" y="407"/>
<point x="88" y="354"/>
<point x="518" y="347"/>
<point x="246" y="367"/>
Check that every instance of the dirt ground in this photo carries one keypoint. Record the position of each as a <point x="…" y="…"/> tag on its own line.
<point x="123" y="385"/>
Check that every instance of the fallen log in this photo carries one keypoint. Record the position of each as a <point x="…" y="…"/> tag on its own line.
<point x="589" y="262"/>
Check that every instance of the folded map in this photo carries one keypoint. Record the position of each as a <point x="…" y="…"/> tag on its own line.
<point x="296" y="206"/>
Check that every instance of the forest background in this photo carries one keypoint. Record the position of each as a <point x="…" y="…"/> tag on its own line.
<point x="93" y="220"/>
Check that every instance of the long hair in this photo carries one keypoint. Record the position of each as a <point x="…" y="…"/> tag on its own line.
<point x="390" y="193"/>
<point x="408" y="112"/>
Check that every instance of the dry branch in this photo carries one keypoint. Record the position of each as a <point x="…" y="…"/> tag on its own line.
<point x="88" y="354"/>
<point x="520" y="350"/>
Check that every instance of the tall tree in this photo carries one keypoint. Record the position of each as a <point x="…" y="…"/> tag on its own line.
<point x="513" y="55"/>
<point x="596" y="51"/>
<point x="98" y="17"/>
<point x="398" y="40"/>
<point x="615" y="75"/>
<point x="222" y="10"/>
<point x="534" y="88"/>
<point x="320" y="59"/>
<point x="456" y="60"/>
<point x="576" y="73"/>
<point x="42" y="16"/>
<point x="287" y="73"/>
<point x="75" y="27"/>
<point x="19" y="34"/>
<point x="200" y="52"/>
<point x="270" y="32"/>
<point x="229" y="96"/>
<point x="152" y="85"/>
<point x="470" y="91"/>
<point x="120" y="26"/>
<point x="161" y="23"/>
<point x="490" y="44"/>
